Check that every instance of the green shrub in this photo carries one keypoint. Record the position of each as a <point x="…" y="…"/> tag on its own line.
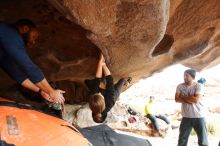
<point x="210" y="128"/>
<point x="193" y="132"/>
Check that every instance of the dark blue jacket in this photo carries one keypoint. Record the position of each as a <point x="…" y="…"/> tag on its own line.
<point x="13" y="56"/>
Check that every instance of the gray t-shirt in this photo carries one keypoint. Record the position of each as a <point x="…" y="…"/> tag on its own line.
<point x="193" y="110"/>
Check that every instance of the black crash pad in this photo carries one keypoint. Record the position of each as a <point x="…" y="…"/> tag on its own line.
<point x="103" y="135"/>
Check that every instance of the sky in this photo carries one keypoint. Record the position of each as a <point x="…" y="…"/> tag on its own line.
<point x="163" y="85"/>
<point x="173" y="75"/>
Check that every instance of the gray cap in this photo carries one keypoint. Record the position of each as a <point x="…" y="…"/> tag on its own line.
<point x="191" y="72"/>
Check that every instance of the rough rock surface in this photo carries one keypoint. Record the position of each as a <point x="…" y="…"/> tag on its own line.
<point x="137" y="37"/>
<point x="118" y="118"/>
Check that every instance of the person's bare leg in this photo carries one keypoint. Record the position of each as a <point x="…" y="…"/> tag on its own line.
<point x="99" y="67"/>
<point x="106" y="70"/>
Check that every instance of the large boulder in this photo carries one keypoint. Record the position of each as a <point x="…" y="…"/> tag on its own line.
<point x="137" y="38"/>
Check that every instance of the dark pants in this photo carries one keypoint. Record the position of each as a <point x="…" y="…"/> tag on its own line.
<point x="199" y="125"/>
<point x="118" y="86"/>
<point x="154" y="121"/>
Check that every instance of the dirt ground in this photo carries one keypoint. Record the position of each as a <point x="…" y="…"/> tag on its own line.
<point x="163" y="86"/>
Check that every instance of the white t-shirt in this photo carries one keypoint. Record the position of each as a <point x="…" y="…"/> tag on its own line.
<point x="193" y="110"/>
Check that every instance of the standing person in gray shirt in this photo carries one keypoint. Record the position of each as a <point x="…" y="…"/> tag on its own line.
<point x="192" y="110"/>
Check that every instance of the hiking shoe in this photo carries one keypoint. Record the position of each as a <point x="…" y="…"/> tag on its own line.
<point x="128" y="81"/>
